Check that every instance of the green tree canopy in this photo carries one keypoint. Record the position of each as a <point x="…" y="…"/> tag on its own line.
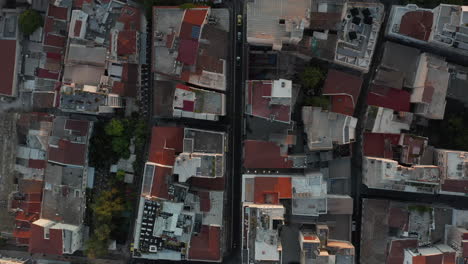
<point x="108" y="204"/>
<point x="319" y="101"/>
<point x="120" y="145"/>
<point x="115" y="128"/>
<point x="29" y="21"/>
<point x="312" y="77"/>
<point x="96" y="248"/>
<point x="120" y="175"/>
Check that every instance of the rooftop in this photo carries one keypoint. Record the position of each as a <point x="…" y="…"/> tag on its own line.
<point x="270" y="99"/>
<point x="277" y="22"/>
<point x="197" y="103"/>
<point x="325" y="128"/>
<point x="63" y="199"/>
<point x="265" y="154"/>
<point x="398" y="100"/>
<point x="8" y="74"/>
<point x="358" y="35"/>
<point x="345" y="86"/>
<point x="398" y="61"/>
<point x="416" y="24"/>
<point x="263" y="232"/>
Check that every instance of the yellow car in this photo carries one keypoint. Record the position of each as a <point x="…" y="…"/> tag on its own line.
<point x="239" y="20"/>
<point x="131" y="247"/>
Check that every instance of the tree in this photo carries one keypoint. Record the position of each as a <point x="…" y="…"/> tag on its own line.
<point x="114" y="128"/>
<point x="312" y="77"/>
<point x="120" y="175"/>
<point x="120" y="145"/>
<point x="108" y="204"/>
<point x="319" y="101"/>
<point x="187" y="6"/>
<point x="102" y="232"/>
<point x="29" y="21"/>
<point x="96" y="248"/>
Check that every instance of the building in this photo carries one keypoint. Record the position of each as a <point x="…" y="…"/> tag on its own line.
<point x="396" y="99"/>
<point x="344" y="90"/>
<point x="266" y="154"/>
<point x="381" y="173"/>
<point x="261" y="242"/>
<point x="430" y="87"/>
<point x="385" y="120"/>
<point x="190" y="102"/>
<point x="443" y="26"/>
<point x="269" y="199"/>
<point x="10" y="53"/>
<point x="428" y="254"/>
<point x="358" y="35"/>
<point x="180" y="215"/>
<point x="398" y="66"/>
<point x="316" y="247"/>
<point x="277" y="23"/>
<point x="324" y="129"/>
<point x="453" y="166"/>
<point x="55" y="29"/>
<point x="457" y="241"/>
<point x="190" y="45"/>
<point x="270" y="100"/>
<point x="8" y="260"/>
<point x="49" y="204"/>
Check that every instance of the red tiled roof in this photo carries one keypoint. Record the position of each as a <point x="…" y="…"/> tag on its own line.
<point x="54" y="41"/>
<point x="344" y="88"/>
<point x="68" y="152"/>
<point x="43" y="100"/>
<point x="460" y="186"/>
<point x="79" y="127"/>
<point x="342" y="104"/>
<point x="161" y="177"/>
<point x="186" y="31"/>
<point x="398" y="218"/>
<point x="77" y="29"/>
<point x="269" y="190"/>
<point x="428" y="92"/>
<point x="206" y="245"/>
<point x="118" y="88"/>
<point x="195" y="16"/>
<point x="258" y="93"/>
<point x="29" y="186"/>
<point x="428" y="259"/>
<point x="380" y="144"/>
<point x="78" y="4"/>
<point x="205" y="203"/>
<point x="57" y="12"/>
<point x="38" y="244"/>
<point x="465" y="248"/>
<point x="417" y="24"/>
<point x="126" y="43"/>
<point x="8" y="59"/>
<point x="37" y="164"/>
<point x="48" y="25"/>
<point x="188" y="51"/>
<point x="130" y="17"/>
<point x="46" y="74"/>
<point x="264" y="154"/>
<point x="449" y="258"/>
<point x="188" y="106"/>
<point x="398" y="100"/>
<point x="165" y="142"/>
<point x="128" y="86"/>
<point x="216" y="184"/>
<point x="396" y="250"/>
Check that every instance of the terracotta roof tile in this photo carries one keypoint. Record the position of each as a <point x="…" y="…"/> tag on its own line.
<point x="206" y="244"/>
<point x="263" y="155"/>
<point x="417" y="24"/>
<point x="380" y="145"/>
<point x="269" y="190"/>
<point x="398" y="100"/>
<point x="195" y="16"/>
<point x="8" y="58"/>
<point x="38" y="244"/>
<point x="68" y="152"/>
<point x="78" y="127"/>
<point x="57" y="12"/>
<point x="188" y="51"/>
<point x="126" y="43"/>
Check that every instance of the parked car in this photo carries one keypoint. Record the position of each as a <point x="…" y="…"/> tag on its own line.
<point x="239" y="20"/>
